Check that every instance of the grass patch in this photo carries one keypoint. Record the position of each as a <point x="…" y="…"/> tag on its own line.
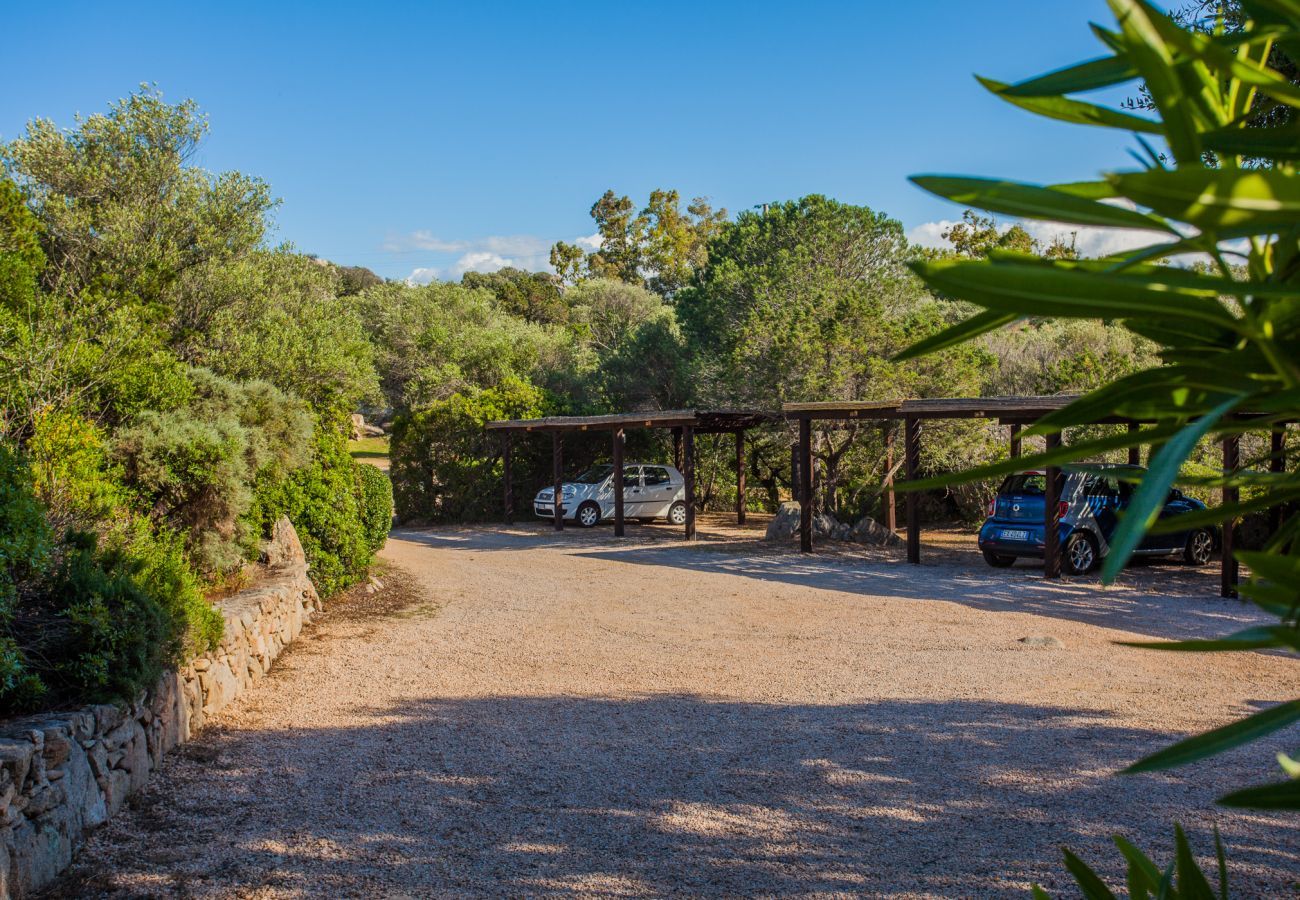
<point x="369" y="448"/>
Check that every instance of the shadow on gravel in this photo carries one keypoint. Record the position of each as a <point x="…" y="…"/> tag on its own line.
<point x="1168" y="601"/>
<point x="666" y="795"/>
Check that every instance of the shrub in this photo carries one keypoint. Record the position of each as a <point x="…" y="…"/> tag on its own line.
<point x="445" y="467"/>
<point x="323" y="500"/>
<point x="376" y="492"/>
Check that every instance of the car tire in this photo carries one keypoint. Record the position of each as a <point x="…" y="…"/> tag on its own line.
<point x="588" y="515"/>
<point x="1199" y="547"/>
<point x="677" y="513"/>
<point x="999" y="560"/>
<point x="1079" y="556"/>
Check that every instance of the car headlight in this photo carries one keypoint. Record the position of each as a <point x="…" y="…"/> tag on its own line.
<point x="569" y="491"/>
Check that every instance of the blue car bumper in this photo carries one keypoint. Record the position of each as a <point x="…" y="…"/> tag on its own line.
<point x="1017" y="537"/>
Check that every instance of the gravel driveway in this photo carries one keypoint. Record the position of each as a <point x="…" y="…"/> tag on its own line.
<point x="523" y="713"/>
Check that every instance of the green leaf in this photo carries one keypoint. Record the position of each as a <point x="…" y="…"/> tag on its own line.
<point x="1143" y="876"/>
<point x="1260" y="200"/>
<point x="1140" y="42"/>
<point x="1085" y="76"/>
<point x="1150" y="496"/>
<point x="978" y="324"/>
<point x="1013" y="198"/>
<point x="1027" y="289"/>
<point x="1192" y="883"/>
<point x="1281" y="795"/>
<point x="1200" y="746"/>
<point x="1090" y="884"/>
<point x="1221" y="859"/>
<point x="1281" y="142"/>
<point x="1078" y="112"/>
<point x="1247" y="639"/>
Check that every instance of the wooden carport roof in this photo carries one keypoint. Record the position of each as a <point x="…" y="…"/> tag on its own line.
<point x="702" y="421"/>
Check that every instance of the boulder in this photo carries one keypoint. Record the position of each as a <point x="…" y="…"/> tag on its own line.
<point x="358" y="426"/>
<point x="868" y="531"/>
<point x="785" y="524"/>
<point x="1042" y="640"/>
<point x="824" y="525"/>
<point x="283" y="548"/>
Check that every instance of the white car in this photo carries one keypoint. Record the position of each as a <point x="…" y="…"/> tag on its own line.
<point x="650" y="491"/>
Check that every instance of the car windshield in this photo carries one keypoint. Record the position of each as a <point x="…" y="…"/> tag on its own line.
<point x="1022" y="483"/>
<point x="594" y="475"/>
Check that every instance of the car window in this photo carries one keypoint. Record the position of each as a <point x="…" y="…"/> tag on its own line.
<point x="1030" y="483"/>
<point x="1101" y="486"/>
<point x="595" y="475"/>
<point x="632" y="477"/>
<point x="656" y="475"/>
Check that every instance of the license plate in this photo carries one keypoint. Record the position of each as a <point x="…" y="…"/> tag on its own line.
<point x="1012" y="534"/>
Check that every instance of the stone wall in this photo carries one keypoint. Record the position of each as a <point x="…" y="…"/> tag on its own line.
<point x="64" y="773"/>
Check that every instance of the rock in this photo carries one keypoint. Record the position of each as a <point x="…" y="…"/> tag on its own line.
<point x="283" y="548"/>
<point x="785" y="524"/>
<point x="219" y="687"/>
<point x="358" y="426"/>
<point x="1042" y="640"/>
<point x="823" y="525"/>
<point x="868" y="531"/>
<point x="841" y="532"/>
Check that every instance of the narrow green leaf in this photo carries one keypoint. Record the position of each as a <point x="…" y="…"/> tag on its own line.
<point x="1090" y="884"/>
<point x="978" y="324"/>
<point x="1247" y="639"/>
<point x="1200" y="746"/>
<point x="1192" y="883"/>
<point x="1140" y="42"/>
<point x="1142" y="872"/>
<point x="1222" y="859"/>
<point x="1281" y="795"/>
<point x="1262" y="200"/>
<point x="1078" y="112"/>
<point x="1151" y="493"/>
<point x="1013" y="198"/>
<point x="1085" y="76"/>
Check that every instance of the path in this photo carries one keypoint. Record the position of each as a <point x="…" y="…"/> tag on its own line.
<point x="566" y="714"/>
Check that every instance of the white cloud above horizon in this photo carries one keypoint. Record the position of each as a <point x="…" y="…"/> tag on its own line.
<point x="1091" y="241"/>
<point x="487" y="254"/>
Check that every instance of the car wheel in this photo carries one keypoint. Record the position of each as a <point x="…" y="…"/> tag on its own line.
<point x="588" y="514"/>
<point x="1199" y="549"/>
<point x="1080" y="554"/>
<point x="999" y="560"/>
<point x="677" y="513"/>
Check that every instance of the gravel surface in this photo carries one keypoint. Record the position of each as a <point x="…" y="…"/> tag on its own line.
<point x="522" y="713"/>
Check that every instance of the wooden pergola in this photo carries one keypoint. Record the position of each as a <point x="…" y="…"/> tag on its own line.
<point x="684" y="424"/>
<point x="1013" y="412"/>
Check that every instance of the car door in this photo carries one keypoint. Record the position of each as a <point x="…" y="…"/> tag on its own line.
<point x="632" y="497"/>
<point x="658" y="491"/>
<point x="1176" y="504"/>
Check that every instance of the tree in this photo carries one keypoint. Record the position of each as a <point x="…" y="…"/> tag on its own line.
<point x="977" y="236"/>
<point x="533" y="296"/>
<point x="659" y="247"/>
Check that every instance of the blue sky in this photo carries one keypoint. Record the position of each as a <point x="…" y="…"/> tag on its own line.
<point x="430" y="137"/>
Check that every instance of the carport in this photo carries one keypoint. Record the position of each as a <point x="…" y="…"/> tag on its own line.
<point x="685" y="424"/>
<point x="1013" y="412"/>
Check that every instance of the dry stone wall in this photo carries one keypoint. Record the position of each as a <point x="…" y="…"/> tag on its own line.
<point x="64" y="773"/>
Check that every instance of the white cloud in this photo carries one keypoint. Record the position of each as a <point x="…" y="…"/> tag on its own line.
<point x="591" y="242"/>
<point x="1091" y="241"/>
<point x="930" y="234"/>
<point x="486" y="254"/>
<point x="422" y="275"/>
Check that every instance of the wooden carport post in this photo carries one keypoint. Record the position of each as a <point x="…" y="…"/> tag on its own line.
<point x="1052" y="514"/>
<point x="1228" y="570"/>
<point x="912" y="455"/>
<point x="740" y="476"/>
<point x="677" y="449"/>
<point x="1134" y="452"/>
<point x="557" y="470"/>
<point x="507" y="477"/>
<point x="1015" y="440"/>
<point x="891" y="499"/>
<point x="688" y="475"/>
<point x="805" y="485"/>
<point x="1277" y="465"/>
<point x="620" y="440"/>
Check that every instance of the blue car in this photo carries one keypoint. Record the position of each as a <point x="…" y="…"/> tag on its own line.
<point x="1090" y="505"/>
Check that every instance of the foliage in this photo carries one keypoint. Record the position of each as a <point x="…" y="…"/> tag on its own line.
<point x="327" y="503"/>
<point x="445" y="467"/>
<point x="1228" y="336"/>
<point x="532" y="296"/>
<point x="1182" y="879"/>
<point x="660" y="247"/>
<point x="376" y="493"/>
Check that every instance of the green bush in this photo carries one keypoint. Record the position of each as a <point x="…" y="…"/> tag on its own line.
<point x="323" y="500"/>
<point x="376" y="504"/>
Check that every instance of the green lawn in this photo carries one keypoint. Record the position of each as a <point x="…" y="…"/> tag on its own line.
<point x="369" y="448"/>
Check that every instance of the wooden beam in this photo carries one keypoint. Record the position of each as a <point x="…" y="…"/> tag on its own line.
<point x="620" y="441"/>
<point x="805" y="486"/>
<point x="1228" y="568"/>
<point x="1015" y="440"/>
<point x="912" y="464"/>
<point x="1134" y="452"/>
<point x="890" y="498"/>
<point x="507" y="476"/>
<point x="1052" y="515"/>
<point x="740" y="478"/>
<point x="557" y="471"/>
<point x="688" y="473"/>
<point x="1277" y="465"/>
<point x="677" y="449"/>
